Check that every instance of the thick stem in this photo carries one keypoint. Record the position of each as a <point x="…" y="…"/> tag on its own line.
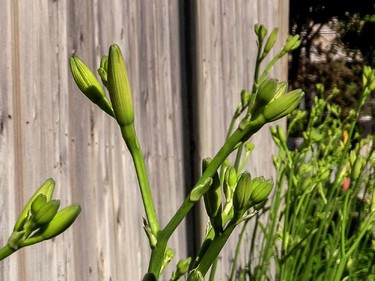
<point x="238" y="136"/>
<point x="214" y="249"/>
<point x="5" y="252"/>
<point x="129" y="135"/>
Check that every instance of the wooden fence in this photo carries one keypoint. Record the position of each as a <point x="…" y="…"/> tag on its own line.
<point x="187" y="61"/>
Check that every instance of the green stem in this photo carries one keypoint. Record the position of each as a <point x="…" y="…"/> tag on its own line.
<point x="131" y="140"/>
<point x="5" y="252"/>
<point x="213" y="270"/>
<point x="214" y="249"/>
<point x="164" y="235"/>
<point x="345" y="258"/>
<point x="223" y="153"/>
<point x="237" y="253"/>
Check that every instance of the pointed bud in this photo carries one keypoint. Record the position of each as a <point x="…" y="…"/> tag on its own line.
<point x="260" y="31"/>
<point x="151" y="237"/>
<point x="357" y="168"/>
<point x="195" y="275"/>
<point x="283" y="105"/>
<point x="62" y="220"/>
<point x="212" y="199"/>
<point x="46" y="213"/>
<point x="88" y="84"/>
<point x="245" y="98"/>
<point x="242" y="193"/>
<point x="168" y="256"/>
<point x="292" y="43"/>
<point x="266" y="92"/>
<point x="103" y="70"/>
<point x="46" y="189"/>
<point x="181" y="268"/>
<point x="281" y="134"/>
<point x="230" y="177"/>
<point x="352" y="157"/>
<point x="261" y="190"/>
<point x="281" y="89"/>
<point x="270" y="41"/>
<point x="119" y="87"/>
<point x="38" y="203"/>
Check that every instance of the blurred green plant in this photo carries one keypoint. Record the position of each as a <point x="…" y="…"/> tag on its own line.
<point x="319" y="223"/>
<point x="267" y="101"/>
<point x="40" y="220"/>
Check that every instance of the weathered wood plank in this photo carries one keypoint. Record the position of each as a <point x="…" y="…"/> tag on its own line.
<point x="226" y="51"/>
<point x="49" y="129"/>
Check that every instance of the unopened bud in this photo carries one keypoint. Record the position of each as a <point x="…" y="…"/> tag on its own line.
<point x="103" y="70"/>
<point x="357" y="168"/>
<point x="119" y="87"/>
<point x="195" y="275"/>
<point x="270" y="41"/>
<point x="181" y="268"/>
<point x="46" y="189"/>
<point x="88" y="84"/>
<point x="242" y="193"/>
<point x="212" y="199"/>
<point x="245" y="98"/>
<point x="283" y="105"/>
<point x="261" y="190"/>
<point x="292" y="43"/>
<point x="62" y="220"/>
<point x="47" y="212"/>
<point x="266" y="92"/>
<point x="38" y="203"/>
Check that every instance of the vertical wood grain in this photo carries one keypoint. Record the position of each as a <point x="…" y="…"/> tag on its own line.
<point x="49" y="129"/>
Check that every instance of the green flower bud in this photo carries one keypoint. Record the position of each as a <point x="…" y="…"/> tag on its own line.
<point x="168" y="256"/>
<point x="283" y="105"/>
<point x="212" y="199"/>
<point x="151" y="237"/>
<point x="266" y="92"/>
<point x="242" y="193"/>
<point x="352" y="158"/>
<point x="119" y="87"/>
<point x="281" y="134"/>
<point x="292" y="43"/>
<point x="47" y="212"/>
<point x="245" y="98"/>
<point x="103" y="70"/>
<point x="38" y="203"/>
<point x="88" y="84"/>
<point x="281" y="89"/>
<point x="181" y="268"/>
<point x="260" y="190"/>
<point x="270" y="41"/>
<point x="45" y="189"/>
<point x="260" y="31"/>
<point x="195" y="275"/>
<point x="357" y="168"/>
<point x="230" y="177"/>
<point x="61" y="222"/>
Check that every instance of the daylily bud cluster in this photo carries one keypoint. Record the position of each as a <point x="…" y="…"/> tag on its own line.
<point x="250" y="192"/>
<point x="241" y="193"/>
<point x="41" y="219"/>
<point x="274" y="102"/>
<point x="114" y="76"/>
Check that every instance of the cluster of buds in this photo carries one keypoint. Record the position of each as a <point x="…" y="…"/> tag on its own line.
<point x="250" y="193"/>
<point x="241" y="193"/>
<point x="273" y="101"/>
<point x="41" y="219"/>
<point x="114" y="76"/>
